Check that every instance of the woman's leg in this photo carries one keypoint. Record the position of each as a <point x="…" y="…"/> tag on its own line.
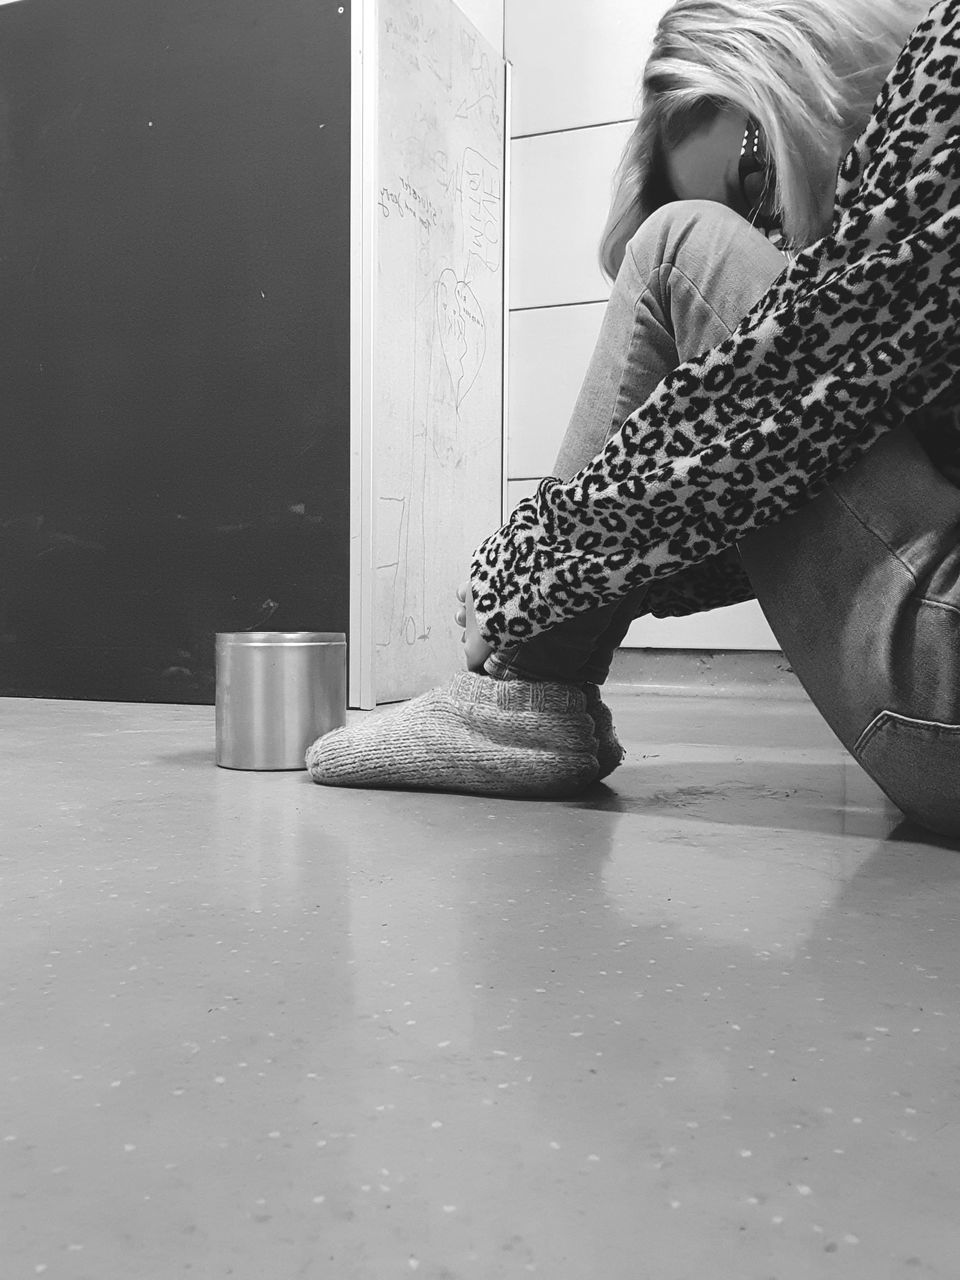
<point x="689" y="276"/>
<point x="861" y="586"/>
<point x="862" y="589"/>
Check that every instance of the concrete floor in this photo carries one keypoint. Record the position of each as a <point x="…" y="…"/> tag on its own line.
<point x="700" y="1023"/>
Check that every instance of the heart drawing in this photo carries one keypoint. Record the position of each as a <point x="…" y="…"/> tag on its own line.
<point x="463" y="335"/>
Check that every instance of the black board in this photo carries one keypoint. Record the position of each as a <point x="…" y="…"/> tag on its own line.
<point x="174" y="337"/>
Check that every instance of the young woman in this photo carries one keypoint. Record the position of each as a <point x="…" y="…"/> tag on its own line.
<point x="762" y="417"/>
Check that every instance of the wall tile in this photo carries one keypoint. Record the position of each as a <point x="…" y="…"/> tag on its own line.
<point x="577" y="63"/>
<point x="560" y="196"/>
<point x="550" y="349"/>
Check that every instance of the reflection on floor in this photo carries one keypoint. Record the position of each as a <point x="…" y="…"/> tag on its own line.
<point x="701" y="1022"/>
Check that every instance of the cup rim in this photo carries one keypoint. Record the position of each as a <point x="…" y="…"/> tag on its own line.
<point x="281" y="637"/>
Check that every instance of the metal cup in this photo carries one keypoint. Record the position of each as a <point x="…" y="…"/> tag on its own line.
<point x="277" y="692"/>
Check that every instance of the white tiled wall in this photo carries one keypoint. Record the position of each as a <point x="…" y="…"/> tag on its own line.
<point x="486" y="16"/>
<point x="559" y="196"/>
<point x="575" y="70"/>
<point x="577" y="62"/>
<point x="546" y="355"/>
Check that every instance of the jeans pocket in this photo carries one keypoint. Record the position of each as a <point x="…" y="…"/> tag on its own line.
<point x="917" y="764"/>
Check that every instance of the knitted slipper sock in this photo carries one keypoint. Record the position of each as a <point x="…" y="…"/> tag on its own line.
<point x="610" y="752"/>
<point x="482" y="736"/>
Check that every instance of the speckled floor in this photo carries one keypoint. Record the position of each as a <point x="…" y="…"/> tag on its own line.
<point x="701" y="1023"/>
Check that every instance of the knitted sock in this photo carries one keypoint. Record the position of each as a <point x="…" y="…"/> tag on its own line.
<point x="610" y="752"/>
<point x="483" y="736"/>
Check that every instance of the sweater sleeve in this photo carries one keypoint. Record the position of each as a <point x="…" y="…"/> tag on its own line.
<point x="860" y="332"/>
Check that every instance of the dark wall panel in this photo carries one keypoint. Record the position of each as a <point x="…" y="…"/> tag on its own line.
<point x="174" y="336"/>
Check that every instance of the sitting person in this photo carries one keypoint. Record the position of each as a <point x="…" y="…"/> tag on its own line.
<point x="758" y="420"/>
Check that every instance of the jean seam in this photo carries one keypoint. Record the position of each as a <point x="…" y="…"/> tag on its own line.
<point x="940" y="604"/>
<point x="670" y="266"/>
<point x="874" y="534"/>
<point x="869" y="733"/>
<point x="898" y="720"/>
<point x="935" y="604"/>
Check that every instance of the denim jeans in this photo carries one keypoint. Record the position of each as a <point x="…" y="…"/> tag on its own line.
<point x="861" y="587"/>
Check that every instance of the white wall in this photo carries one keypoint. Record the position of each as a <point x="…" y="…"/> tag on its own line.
<point x="486" y="16"/>
<point x="576" y="67"/>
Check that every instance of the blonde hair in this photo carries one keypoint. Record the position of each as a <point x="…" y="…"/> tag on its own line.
<point x="807" y="71"/>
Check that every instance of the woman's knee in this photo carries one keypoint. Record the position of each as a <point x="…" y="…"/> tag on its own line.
<point x="704" y="228"/>
<point x="698" y="215"/>
<point x="728" y="262"/>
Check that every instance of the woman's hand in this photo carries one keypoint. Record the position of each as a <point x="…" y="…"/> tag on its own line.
<point x="476" y="648"/>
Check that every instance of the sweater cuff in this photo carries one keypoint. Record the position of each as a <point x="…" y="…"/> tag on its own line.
<point x="506" y="574"/>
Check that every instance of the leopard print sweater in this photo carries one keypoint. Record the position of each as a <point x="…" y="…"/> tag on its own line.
<point x="860" y="333"/>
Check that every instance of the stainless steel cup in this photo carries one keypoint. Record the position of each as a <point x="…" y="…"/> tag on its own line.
<point x="277" y="691"/>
